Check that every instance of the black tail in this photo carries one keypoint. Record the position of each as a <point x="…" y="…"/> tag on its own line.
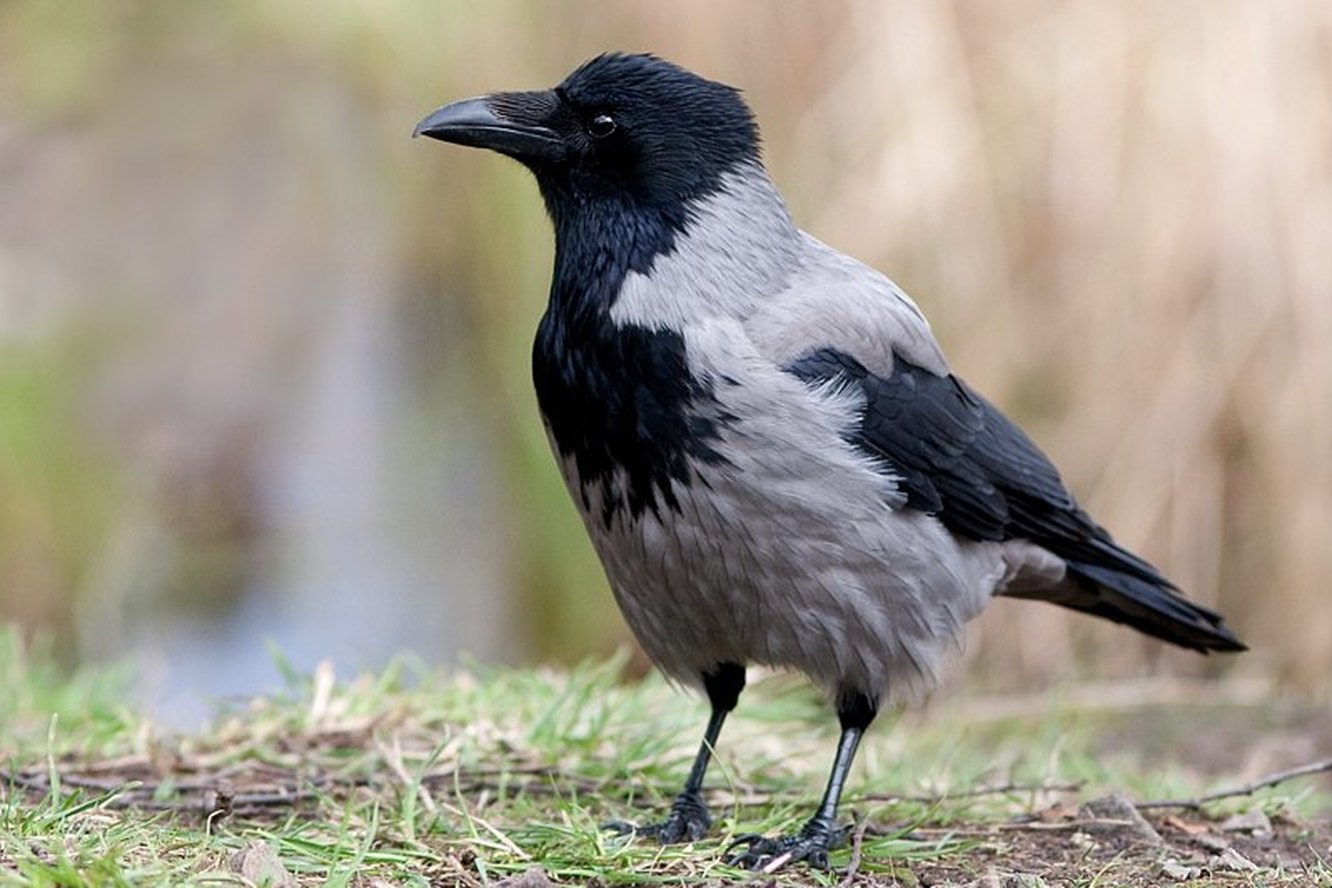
<point x="1144" y="600"/>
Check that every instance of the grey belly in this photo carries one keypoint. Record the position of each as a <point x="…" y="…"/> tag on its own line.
<point x="847" y="590"/>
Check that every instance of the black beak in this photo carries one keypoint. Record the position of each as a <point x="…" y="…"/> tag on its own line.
<point x="516" y="124"/>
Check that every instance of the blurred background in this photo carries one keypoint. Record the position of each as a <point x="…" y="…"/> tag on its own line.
<point x="264" y="359"/>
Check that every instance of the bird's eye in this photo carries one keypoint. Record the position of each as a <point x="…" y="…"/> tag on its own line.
<point x="601" y="126"/>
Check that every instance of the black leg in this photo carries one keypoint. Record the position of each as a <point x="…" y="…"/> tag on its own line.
<point x="688" y="819"/>
<point x="820" y="833"/>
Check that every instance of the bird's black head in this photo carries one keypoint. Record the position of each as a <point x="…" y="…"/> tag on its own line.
<point x="624" y="150"/>
<point x="620" y="127"/>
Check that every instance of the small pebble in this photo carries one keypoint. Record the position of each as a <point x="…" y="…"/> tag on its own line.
<point x="1232" y="860"/>
<point x="1173" y="869"/>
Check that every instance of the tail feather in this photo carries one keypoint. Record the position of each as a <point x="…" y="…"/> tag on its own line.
<point x="1152" y="606"/>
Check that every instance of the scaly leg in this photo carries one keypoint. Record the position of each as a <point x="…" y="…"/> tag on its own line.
<point x="688" y="819"/>
<point x="820" y="833"/>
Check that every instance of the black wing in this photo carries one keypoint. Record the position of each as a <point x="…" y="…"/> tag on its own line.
<point x="962" y="460"/>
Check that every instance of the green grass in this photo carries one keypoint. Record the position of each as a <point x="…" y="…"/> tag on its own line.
<point x="416" y="777"/>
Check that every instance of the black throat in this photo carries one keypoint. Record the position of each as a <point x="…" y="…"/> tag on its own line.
<point x="619" y="399"/>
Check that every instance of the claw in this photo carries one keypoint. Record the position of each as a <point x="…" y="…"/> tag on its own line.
<point x="746" y="839"/>
<point x="687" y="822"/>
<point x="768" y="855"/>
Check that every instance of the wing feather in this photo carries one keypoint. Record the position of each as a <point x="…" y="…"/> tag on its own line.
<point x="957" y="456"/>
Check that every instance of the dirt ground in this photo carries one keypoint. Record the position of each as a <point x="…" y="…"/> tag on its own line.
<point x="1077" y="847"/>
<point x="1075" y="837"/>
<point x="1110" y="841"/>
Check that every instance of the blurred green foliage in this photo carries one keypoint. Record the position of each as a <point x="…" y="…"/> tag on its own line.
<point x="59" y="492"/>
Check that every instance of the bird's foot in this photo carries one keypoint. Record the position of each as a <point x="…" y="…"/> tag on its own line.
<point x="687" y="822"/>
<point x="769" y="855"/>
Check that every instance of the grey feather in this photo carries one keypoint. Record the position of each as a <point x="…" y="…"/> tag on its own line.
<point x="800" y="551"/>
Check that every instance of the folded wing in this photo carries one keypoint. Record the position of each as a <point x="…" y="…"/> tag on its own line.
<point x="957" y="457"/>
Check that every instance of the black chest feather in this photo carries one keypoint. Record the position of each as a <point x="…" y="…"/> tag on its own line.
<point x="619" y="398"/>
<point x="621" y="403"/>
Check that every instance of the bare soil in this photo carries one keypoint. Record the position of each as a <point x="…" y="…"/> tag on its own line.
<point x="1065" y="847"/>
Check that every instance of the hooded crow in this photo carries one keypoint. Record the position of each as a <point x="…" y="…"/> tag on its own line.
<point x="772" y="458"/>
